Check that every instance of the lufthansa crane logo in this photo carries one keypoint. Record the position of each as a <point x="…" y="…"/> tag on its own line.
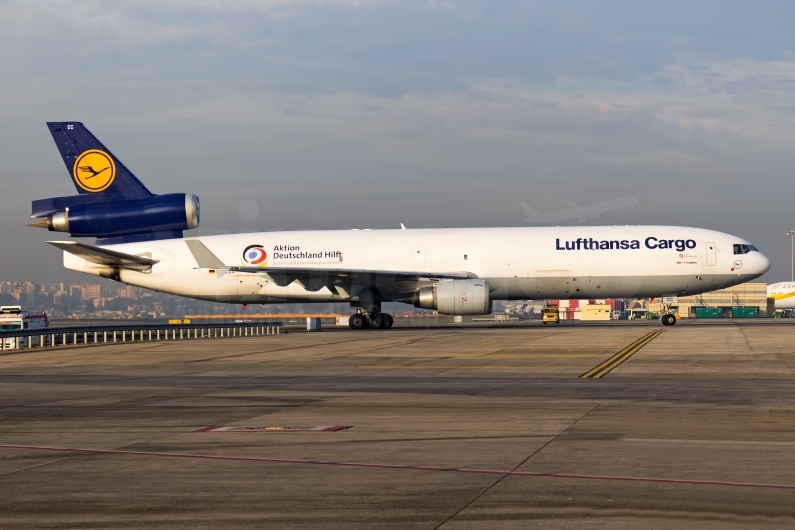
<point x="94" y="170"/>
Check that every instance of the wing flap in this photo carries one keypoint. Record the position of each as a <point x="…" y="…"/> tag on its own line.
<point x="105" y="256"/>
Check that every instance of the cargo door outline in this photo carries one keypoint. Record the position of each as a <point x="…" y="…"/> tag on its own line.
<point x="711" y="254"/>
<point x="249" y="287"/>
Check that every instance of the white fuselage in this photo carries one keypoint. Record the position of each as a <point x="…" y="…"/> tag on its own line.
<point x="518" y="263"/>
<point x="783" y="293"/>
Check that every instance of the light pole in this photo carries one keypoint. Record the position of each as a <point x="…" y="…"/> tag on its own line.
<point x="791" y="234"/>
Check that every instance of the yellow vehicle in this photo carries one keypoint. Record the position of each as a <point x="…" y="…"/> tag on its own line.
<point x="550" y="314"/>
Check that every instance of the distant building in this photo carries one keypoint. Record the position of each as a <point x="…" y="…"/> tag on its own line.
<point x="128" y="292"/>
<point x="91" y="292"/>
<point x="745" y="295"/>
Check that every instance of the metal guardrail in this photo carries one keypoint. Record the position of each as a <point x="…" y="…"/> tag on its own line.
<point x="76" y="335"/>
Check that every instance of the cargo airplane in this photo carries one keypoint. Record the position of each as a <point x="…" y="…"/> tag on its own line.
<point x="139" y="241"/>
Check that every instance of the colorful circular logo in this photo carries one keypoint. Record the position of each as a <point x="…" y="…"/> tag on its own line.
<point x="255" y="255"/>
<point x="94" y="170"/>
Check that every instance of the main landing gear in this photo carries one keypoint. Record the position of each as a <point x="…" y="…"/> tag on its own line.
<point x="373" y="320"/>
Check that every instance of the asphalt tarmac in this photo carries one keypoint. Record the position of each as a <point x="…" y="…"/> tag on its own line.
<point x="448" y="427"/>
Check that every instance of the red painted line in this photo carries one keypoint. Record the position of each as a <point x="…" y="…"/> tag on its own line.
<point x="401" y="466"/>
<point x="260" y="430"/>
<point x="209" y="429"/>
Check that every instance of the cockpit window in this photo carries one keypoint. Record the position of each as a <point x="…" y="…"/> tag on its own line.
<point x="744" y="249"/>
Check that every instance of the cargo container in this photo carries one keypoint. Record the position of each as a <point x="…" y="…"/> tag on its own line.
<point x="708" y="312"/>
<point x="745" y="312"/>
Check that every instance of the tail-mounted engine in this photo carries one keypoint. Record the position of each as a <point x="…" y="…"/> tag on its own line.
<point x="171" y="212"/>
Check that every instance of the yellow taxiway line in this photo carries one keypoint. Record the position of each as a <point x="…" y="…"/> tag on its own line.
<point x="603" y="369"/>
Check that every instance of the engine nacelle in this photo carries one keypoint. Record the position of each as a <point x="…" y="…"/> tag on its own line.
<point x="174" y="211"/>
<point x="455" y="297"/>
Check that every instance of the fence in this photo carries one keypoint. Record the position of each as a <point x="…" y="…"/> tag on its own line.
<point x="49" y="337"/>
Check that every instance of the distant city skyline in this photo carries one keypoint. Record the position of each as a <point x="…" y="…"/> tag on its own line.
<point x="60" y="299"/>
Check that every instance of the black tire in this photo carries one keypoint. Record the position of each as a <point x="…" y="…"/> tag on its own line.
<point x="389" y="320"/>
<point x="376" y="320"/>
<point x="356" y="321"/>
<point x="668" y="320"/>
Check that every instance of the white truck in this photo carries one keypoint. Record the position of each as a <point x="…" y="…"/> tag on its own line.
<point x="13" y="317"/>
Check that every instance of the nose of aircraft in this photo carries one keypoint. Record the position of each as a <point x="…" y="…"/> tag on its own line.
<point x="762" y="263"/>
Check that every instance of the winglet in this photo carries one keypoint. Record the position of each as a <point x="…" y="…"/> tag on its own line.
<point x="529" y="211"/>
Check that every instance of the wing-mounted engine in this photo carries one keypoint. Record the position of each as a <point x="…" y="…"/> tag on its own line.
<point x="112" y="204"/>
<point x="455" y="297"/>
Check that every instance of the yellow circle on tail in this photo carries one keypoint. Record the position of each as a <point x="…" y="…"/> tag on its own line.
<point x="94" y="170"/>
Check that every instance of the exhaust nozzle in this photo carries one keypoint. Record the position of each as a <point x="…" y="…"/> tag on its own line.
<point x="57" y="222"/>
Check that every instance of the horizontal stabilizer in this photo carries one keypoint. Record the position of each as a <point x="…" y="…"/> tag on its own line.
<point x="103" y="256"/>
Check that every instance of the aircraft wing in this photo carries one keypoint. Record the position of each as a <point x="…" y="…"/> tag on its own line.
<point x="351" y="280"/>
<point x="314" y="279"/>
<point x="104" y="256"/>
<point x="357" y="273"/>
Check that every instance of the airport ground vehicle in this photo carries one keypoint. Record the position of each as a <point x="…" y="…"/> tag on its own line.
<point x="453" y="271"/>
<point x="551" y="314"/>
<point x="14" y="317"/>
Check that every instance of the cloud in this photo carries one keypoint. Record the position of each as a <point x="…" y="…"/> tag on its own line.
<point x="734" y="76"/>
<point x="245" y="5"/>
<point x="373" y="112"/>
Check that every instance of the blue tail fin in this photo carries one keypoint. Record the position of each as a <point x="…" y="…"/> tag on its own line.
<point x="93" y="168"/>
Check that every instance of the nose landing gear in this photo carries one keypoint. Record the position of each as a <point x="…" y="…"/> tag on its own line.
<point x="667" y="313"/>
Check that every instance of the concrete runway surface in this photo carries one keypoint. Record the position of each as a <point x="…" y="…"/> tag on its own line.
<point x="454" y="428"/>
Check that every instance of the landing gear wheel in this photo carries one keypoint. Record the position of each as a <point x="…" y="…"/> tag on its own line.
<point x="376" y="320"/>
<point x="388" y="320"/>
<point x="668" y="320"/>
<point x="356" y="321"/>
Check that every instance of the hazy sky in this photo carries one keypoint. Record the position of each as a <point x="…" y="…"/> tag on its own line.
<point x="366" y="114"/>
